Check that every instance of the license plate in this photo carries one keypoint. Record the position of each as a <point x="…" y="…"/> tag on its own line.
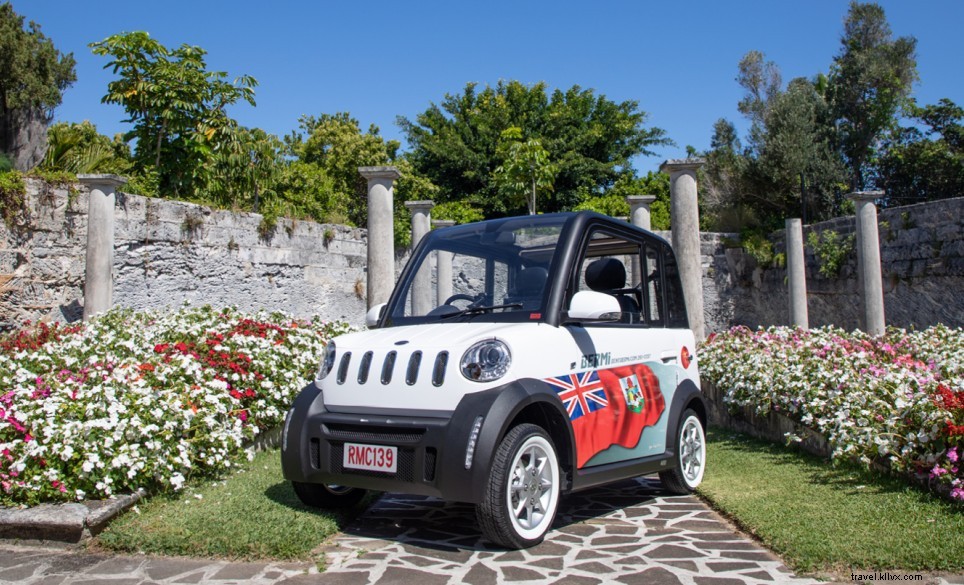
<point x="371" y="457"/>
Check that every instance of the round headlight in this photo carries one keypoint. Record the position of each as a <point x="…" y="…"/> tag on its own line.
<point x="327" y="362"/>
<point x="486" y="361"/>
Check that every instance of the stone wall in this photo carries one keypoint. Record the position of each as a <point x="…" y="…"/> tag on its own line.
<point x="922" y="263"/>
<point x="168" y="252"/>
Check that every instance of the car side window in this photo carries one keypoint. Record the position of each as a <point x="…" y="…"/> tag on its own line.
<point x="611" y="264"/>
<point x="675" y="303"/>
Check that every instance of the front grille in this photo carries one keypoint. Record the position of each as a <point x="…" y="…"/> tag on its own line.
<point x="367" y="433"/>
<point x="314" y="453"/>
<point x="406" y="464"/>
<point x="343" y="367"/>
<point x="438" y="372"/>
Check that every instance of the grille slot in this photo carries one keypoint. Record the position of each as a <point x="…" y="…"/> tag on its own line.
<point x="388" y="367"/>
<point x="348" y="432"/>
<point x="430" y="456"/>
<point x="406" y="464"/>
<point x="343" y="367"/>
<point x="364" y="367"/>
<point x="314" y="453"/>
<point x="411" y="376"/>
<point x="438" y="372"/>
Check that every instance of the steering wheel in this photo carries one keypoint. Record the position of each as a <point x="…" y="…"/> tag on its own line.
<point x="462" y="297"/>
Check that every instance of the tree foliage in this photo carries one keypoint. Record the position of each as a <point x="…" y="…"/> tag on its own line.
<point x="336" y="145"/>
<point x="33" y="77"/>
<point x="870" y="79"/>
<point x="590" y="139"/>
<point x="525" y="169"/>
<point x="177" y="107"/>
<point x="925" y="164"/>
<point x="79" y="148"/>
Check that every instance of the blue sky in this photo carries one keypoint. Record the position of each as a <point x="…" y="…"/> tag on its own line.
<point x="379" y="60"/>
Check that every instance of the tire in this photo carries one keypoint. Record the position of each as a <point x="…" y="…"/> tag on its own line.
<point x="690" y="456"/>
<point x="319" y="495"/>
<point x="522" y="494"/>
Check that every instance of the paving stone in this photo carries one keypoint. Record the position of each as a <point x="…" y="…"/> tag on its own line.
<point x="118" y="566"/>
<point x="577" y="580"/>
<point x="418" y="561"/>
<point x="21" y="573"/>
<point x="604" y="540"/>
<point x="759" y="556"/>
<point x="161" y="569"/>
<point x="589" y="553"/>
<point x="555" y="563"/>
<point x="723" y="567"/>
<point x="653" y="576"/>
<point x="549" y="548"/>
<point x="481" y="575"/>
<point x="593" y="567"/>
<point x="112" y="581"/>
<point x="336" y="578"/>
<point x="395" y="575"/>
<point x="512" y="573"/>
<point x="669" y="551"/>
<point x="239" y="571"/>
<point x="684" y="565"/>
<point x="717" y="581"/>
<point x="761" y="575"/>
<point x="701" y="525"/>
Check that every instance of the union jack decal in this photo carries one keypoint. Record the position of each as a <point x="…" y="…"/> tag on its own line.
<point x="580" y="393"/>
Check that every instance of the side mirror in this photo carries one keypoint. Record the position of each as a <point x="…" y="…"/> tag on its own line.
<point x="374" y="315"/>
<point x="589" y="305"/>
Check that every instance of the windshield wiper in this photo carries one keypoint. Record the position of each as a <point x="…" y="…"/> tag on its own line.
<point x="480" y="309"/>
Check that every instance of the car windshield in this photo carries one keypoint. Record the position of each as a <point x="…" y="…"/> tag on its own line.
<point x="494" y="270"/>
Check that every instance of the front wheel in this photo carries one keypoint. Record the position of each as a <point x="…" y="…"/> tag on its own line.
<point x="690" y="456"/>
<point x="522" y="493"/>
<point x="320" y="495"/>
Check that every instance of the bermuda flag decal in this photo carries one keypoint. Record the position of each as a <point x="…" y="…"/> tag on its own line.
<point x="609" y="407"/>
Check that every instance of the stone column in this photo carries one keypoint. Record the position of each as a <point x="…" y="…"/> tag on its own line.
<point x="444" y="270"/>
<point x="381" y="232"/>
<point x="870" y="283"/>
<point x="422" y="286"/>
<point x="639" y="210"/>
<point x="797" y="274"/>
<point x="685" y="219"/>
<point x="98" y="275"/>
<point x="639" y="216"/>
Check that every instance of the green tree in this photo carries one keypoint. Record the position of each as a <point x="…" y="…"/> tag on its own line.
<point x="79" y="148"/>
<point x="589" y="138"/>
<point x="925" y="164"/>
<point x="246" y="165"/>
<point x="869" y="81"/>
<point x="525" y="168"/>
<point x="336" y="144"/>
<point x="177" y="107"/>
<point x="33" y="77"/>
<point x="613" y="202"/>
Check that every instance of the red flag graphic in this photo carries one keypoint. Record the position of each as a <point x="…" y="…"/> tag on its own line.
<point x="609" y="407"/>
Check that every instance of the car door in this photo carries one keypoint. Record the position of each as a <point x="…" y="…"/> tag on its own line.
<point x="618" y="395"/>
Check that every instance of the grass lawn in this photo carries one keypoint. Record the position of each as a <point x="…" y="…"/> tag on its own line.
<point x="825" y="519"/>
<point x="251" y="514"/>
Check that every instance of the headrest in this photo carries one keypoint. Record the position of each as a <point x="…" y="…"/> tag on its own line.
<point x="606" y="274"/>
<point x="532" y="280"/>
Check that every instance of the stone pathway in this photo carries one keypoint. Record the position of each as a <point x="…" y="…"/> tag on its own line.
<point x="625" y="533"/>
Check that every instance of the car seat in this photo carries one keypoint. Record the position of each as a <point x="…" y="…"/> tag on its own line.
<point x="608" y="275"/>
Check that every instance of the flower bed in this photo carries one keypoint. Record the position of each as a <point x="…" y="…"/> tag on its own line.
<point x="144" y="400"/>
<point x="897" y="399"/>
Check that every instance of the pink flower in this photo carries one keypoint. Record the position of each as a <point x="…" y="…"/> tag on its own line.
<point x="957" y="493"/>
<point x="937" y="471"/>
<point x="952" y="455"/>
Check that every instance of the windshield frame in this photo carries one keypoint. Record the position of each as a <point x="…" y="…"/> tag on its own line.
<point x="447" y="239"/>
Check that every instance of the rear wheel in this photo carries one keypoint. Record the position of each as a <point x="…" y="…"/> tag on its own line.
<point x="319" y="495"/>
<point x="690" y="456"/>
<point x="522" y="494"/>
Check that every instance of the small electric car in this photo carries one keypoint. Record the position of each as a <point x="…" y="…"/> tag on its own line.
<point x="517" y="359"/>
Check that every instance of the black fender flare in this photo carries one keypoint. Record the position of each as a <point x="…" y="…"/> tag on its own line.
<point x="687" y="395"/>
<point x="308" y="403"/>
<point x="500" y="408"/>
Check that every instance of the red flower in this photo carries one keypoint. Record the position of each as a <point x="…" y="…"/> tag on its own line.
<point x="160" y="347"/>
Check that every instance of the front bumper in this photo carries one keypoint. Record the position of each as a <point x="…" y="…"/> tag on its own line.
<point x="431" y="449"/>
